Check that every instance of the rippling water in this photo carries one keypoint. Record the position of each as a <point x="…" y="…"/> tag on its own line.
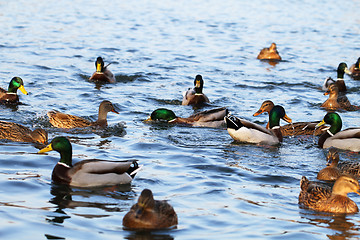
<point x="219" y="188"/>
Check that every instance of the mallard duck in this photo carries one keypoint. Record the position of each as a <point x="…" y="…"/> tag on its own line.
<point x="210" y="118"/>
<point x="348" y="139"/>
<point x="335" y="168"/>
<point x="245" y="131"/>
<point x="88" y="173"/>
<point x="340" y="83"/>
<point x="331" y="172"/>
<point x="355" y="70"/>
<point x="324" y="199"/>
<point x="63" y="120"/>
<point x="10" y="96"/>
<point x="269" y="53"/>
<point x="18" y="133"/>
<point x="293" y="129"/>
<point x="148" y="213"/>
<point x="102" y="74"/>
<point x="336" y="102"/>
<point x="195" y="96"/>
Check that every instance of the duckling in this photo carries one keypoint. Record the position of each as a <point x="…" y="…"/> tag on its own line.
<point x="355" y="70"/>
<point x="293" y="129"/>
<point x="102" y="74"/>
<point x="211" y="118"/>
<point x="195" y="96"/>
<point x="88" y="173"/>
<point x="331" y="172"/>
<point x="63" y="120"/>
<point x="10" y="96"/>
<point x="148" y="213"/>
<point x="335" y="200"/>
<point x="245" y="131"/>
<point x="348" y="139"/>
<point x="18" y="133"/>
<point x="336" y="102"/>
<point x="340" y="83"/>
<point x="269" y="53"/>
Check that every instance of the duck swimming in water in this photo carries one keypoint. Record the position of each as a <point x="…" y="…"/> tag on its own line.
<point x="340" y="83"/>
<point x="270" y="53"/>
<point x="102" y="73"/>
<point x="10" y="96"/>
<point x="195" y="96"/>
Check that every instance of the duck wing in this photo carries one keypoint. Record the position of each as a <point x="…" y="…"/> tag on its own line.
<point x="63" y="120"/>
<point x="210" y="115"/>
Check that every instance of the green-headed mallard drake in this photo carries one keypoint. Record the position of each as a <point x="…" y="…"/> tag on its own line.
<point x="102" y="74"/>
<point x="88" y="173"/>
<point x="340" y="83"/>
<point x="348" y="139"/>
<point x="336" y="102"/>
<point x="18" y="133"/>
<point x="10" y="96"/>
<point x="324" y="199"/>
<point x="331" y="172"/>
<point x="270" y="53"/>
<point x="335" y="168"/>
<point x="195" y="96"/>
<point x="210" y="118"/>
<point x="355" y="70"/>
<point x="63" y="120"/>
<point x="148" y="213"/>
<point x="245" y="131"/>
<point x="293" y="129"/>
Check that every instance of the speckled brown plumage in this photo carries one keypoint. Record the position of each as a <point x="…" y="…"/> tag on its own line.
<point x="16" y="132"/>
<point x="148" y="213"/>
<point x="269" y="53"/>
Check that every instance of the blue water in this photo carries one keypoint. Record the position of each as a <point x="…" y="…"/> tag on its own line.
<point x="220" y="189"/>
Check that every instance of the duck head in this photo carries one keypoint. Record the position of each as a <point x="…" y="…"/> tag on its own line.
<point x="15" y="84"/>
<point x="342" y="68"/>
<point x="332" y="157"/>
<point x="145" y="201"/>
<point x="199" y="84"/>
<point x="99" y="64"/>
<point x="277" y="113"/>
<point x="334" y="120"/>
<point x="266" y="106"/>
<point x="346" y="184"/>
<point x="61" y="145"/>
<point x="162" y="114"/>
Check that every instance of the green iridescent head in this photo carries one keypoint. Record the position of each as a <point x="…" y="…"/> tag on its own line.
<point x="15" y="84"/>
<point x="275" y="114"/>
<point x="334" y="120"/>
<point x="342" y="69"/>
<point x="162" y="114"/>
<point x="63" y="146"/>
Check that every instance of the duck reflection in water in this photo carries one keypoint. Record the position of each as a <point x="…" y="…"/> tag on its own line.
<point x="63" y="198"/>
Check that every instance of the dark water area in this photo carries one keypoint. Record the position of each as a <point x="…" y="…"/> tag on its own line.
<point x="220" y="189"/>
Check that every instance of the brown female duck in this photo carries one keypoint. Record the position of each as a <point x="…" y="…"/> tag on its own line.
<point x="195" y="96"/>
<point x="324" y="199"/>
<point x="18" y="133"/>
<point x="293" y="129"/>
<point x="63" y="120"/>
<point x="10" y="96"/>
<point x="355" y="70"/>
<point x="335" y="169"/>
<point x="270" y="53"/>
<point x="336" y="102"/>
<point x="102" y="74"/>
<point x="148" y="213"/>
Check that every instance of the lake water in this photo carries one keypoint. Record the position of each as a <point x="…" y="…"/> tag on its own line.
<point x="220" y="189"/>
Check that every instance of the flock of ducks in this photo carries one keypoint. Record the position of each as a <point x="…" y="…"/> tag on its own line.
<point x="148" y="213"/>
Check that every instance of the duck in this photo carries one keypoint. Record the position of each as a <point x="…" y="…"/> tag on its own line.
<point x="149" y="213"/>
<point x="340" y="83"/>
<point x="335" y="169"/>
<point x="19" y="133"/>
<point x="245" y="131"/>
<point x="326" y="199"/>
<point x="10" y="96"/>
<point x="102" y="73"/>
<point x="195" y="96"/>
<point x="348" y="139"/>
<point x="355" y="70"/>
<point x="88" y="173"/>
<point x="213" y="118"/>
<point x="293" y="129"/>
<point x="336" y="102"/>
<point x="63" y="120"/>
<point x="270" y="53"/>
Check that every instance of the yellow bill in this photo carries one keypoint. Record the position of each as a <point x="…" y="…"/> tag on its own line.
<point x="287" y="119"/>
<point x="22" y="89"/>
<point x="320" y="123"/>
<point x="98" y="67"/>
<point x="48" y="148"/>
